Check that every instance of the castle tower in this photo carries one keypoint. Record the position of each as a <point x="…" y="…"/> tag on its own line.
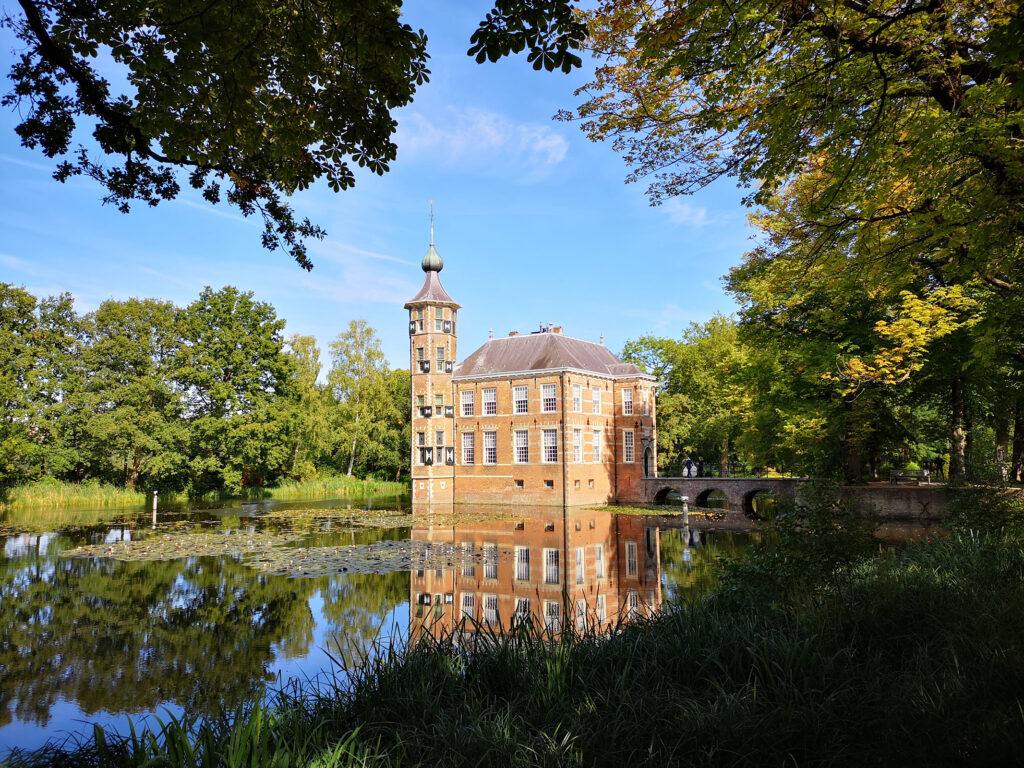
<point x="432" y="334"/>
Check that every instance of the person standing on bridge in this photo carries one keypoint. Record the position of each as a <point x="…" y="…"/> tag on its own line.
<point x="700" y="466"/>
<point x="689" y="467"/>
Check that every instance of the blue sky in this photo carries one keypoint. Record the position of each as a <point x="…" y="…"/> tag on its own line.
<point x="534" y="222"/>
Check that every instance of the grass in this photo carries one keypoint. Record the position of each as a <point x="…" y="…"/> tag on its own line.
<point x="49" y="494"/>
<point x="914" y="657"/>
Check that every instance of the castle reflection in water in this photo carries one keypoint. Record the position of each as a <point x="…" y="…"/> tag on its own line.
<point x="590" y="568"/>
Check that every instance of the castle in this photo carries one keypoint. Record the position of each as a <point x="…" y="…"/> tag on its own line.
<point x="539" y="418"/>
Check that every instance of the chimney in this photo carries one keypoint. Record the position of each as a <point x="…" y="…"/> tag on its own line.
<point x="557" y="329"/>
<point x="513" y="333"/>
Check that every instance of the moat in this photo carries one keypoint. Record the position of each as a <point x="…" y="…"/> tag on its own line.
<point x="122" y="620"/>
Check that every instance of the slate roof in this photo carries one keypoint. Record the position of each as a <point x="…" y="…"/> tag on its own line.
<point x="543" y="352"/>
<point x="432" y="291"/>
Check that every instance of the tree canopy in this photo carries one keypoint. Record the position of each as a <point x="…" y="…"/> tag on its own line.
<point x="251" y="102"/>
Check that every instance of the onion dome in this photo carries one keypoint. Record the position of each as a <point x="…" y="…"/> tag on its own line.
<point x="432" y="261"/>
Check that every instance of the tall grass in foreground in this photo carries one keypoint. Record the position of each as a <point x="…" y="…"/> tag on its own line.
<point x="916" y="658"/>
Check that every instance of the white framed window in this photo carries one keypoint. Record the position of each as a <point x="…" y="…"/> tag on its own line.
<point x="627" y="402"/>
<point x="552" y="616"/>
<point x="551" y="570"/>
<point x="632" y="604"/>
<point x="522" y="563"/>
<point x="439" y="402"/>
<point x="522" y="608"/>
<point x="421" y="439"/>
<point x="440" y="358"/>
<point x="599" y="561"/>
<point x="491" y="609"/>
<point x="522" y="445"/>
<point x="577" y="446"/>
<point x="631" y="564"/>
<point x="581" y="568"/>
<point x="627" y="446"/>
<point x="438" y="322"/>
<point x="439" y="438"/>
<point x="419" y="320"/>
<point x="581" y="615"/>
<point x="468" y="448"/>
<point x="468" y="402"/>
<point x="490" y="447"/>
<point x="595" y="399"/>
<point x="577" y="398"/>
<point x="601" y="611"/>
<point x="490" y="561"/>
<point x="597" y="446"/>
<point x="550" y="445"/>
<point x="419" y="354"/>
<point x="548" y="398"/>
<point x="468" y="605"/>
<point x="468" y="564"/>
<point x="521" y="399"/>
<point x="489" y="398"/>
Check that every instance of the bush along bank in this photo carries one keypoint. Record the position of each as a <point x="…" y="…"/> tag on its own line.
<point x="910" y="657"/>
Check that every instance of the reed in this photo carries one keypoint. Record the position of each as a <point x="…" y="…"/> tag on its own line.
<point x="54" y="494"/>
<point x="910" y="658"/>
<point x="331" y="485"/>
<point x="78" y="503"/>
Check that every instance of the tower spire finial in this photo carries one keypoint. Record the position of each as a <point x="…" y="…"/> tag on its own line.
<point x="432" y="261"/>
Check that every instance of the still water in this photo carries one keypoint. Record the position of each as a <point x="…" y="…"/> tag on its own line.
<point x="119" y="620"/>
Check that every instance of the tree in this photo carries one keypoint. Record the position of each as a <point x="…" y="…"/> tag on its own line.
<point x="18" y="333"/>
<point x="358" y="382"/>
<point x="252" y="101"/>
<point x="233" y="369"/>
<point x="926" y="97"/>
<point x="311" y="434"/>
<point x="701" y="398"/>
<point x="131" y="428"/>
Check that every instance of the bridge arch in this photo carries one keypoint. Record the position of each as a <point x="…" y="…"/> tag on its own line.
<point x="749" y="508"/>
<point x="661" y="497"/>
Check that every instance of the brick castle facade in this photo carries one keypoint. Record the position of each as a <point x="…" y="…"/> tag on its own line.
<point x="539" y="418"/>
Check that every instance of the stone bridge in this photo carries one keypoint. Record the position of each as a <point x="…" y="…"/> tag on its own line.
<point x="739" y="490"/>
<point x="887" y="502"/>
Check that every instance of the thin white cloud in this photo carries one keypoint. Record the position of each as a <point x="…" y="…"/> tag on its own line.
<point x="193" y="285"/>
<point x="11" y="261"/>
<point x="682" y="213"/>
<point x="26" y="163"/>
<point x="330" y="250"/>
<point x="211" y="208"/>
<point x="482" y="139"/>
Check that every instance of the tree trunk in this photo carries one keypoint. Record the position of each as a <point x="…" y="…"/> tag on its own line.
<point x="1002" y="435"/>
<point x="853" y="465"/>
<point x="958" y="434"/>
<point x="352" y="457"/>
<point x="355" y="437"/>
<point x="723" y="457"/>
<point x="1017" y="462"/>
